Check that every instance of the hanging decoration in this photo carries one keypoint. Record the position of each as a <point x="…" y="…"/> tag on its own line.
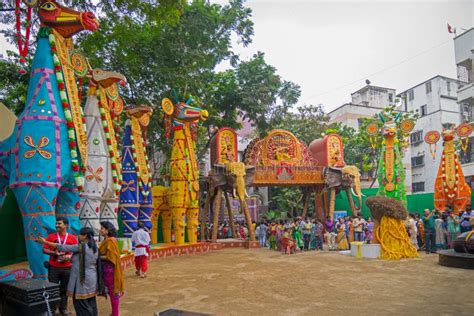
<point x="463" y="131"/>
<point x="23" y="42"/>
<point x="372" y="130"/>
<point x="431" y="138"/>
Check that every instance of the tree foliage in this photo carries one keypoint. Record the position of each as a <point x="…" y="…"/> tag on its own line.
<point x="13" y="86"/>
<point x="175" y="44"/>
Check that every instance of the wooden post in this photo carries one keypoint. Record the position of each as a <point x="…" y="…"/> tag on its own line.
<point x="332" y="202"/>
<point x="318" y="204"/>
<point x="231" y="216"/>
<point x="246" y="212"/>
<point x="306" y="197"/>
<point x="205" y="216"/>
<point x="217" y="208"/>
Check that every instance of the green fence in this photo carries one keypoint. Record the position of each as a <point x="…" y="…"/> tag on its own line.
<point x="416" y="202"/>
<point x="11" y="232"/>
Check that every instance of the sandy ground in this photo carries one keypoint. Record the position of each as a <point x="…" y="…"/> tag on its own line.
<point x="264" y="282"/>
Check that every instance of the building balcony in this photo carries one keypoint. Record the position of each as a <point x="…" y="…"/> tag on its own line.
<point x="466" y="93"/>
<point x="468" y="169"/>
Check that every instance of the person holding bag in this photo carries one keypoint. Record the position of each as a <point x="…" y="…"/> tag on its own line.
<point x="82" y="286"/>
<point x="111" y="266"/>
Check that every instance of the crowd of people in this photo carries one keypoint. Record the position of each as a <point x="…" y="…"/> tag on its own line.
<point x="225" y="230"/>
<point x="432" y="231"/>
<point x="437" y="230"/>
<point x="308" y="234"/>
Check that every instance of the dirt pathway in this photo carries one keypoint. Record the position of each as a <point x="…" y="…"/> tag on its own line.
<point x="264" y="282"/>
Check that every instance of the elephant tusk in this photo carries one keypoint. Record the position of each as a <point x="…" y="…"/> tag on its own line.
<point x="246" y="194"/>
<point x="234" y="193"/>
<point x="353" y="193"/>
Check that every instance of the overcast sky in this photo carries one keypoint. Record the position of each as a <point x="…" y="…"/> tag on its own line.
<point x="330" y="47"/>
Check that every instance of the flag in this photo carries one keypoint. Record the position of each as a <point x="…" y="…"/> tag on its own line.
<point x="451" y="29"/>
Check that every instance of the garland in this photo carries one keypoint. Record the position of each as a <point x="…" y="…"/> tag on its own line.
<point x="109" y="131"/>
<point x="22" y="43"/>
<point x="77" y="168"/>
<point x="62" y="48"/>
<point x="140" y="157"/>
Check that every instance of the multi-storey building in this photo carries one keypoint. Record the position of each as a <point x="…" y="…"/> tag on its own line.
<point x="435" y="102"/>
<point x="365" y="103"/>
<point x="464" y="56"/>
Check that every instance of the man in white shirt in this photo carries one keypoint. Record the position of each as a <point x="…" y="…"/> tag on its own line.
<point x="141" y="241"/>
<point x="359" y="223"/>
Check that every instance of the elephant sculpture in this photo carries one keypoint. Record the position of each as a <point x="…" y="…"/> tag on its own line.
<point x="346" y="178"/>
<point x="231" y="178"/>
<point x="160" y="205"/>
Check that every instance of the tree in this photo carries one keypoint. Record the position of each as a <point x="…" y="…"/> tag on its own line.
<point x="166" y="45"/>
<point x="13" y="86"/>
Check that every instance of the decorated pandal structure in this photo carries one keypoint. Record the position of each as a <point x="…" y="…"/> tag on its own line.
<point x="280" y="159"/>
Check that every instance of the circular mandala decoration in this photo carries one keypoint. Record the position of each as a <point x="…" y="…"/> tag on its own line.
<point x="432" y="137"/>
<point x="144" y="119"/>
<point x="167" y="106"/>
<point x="112" y="92"/>
<point x="389" y="187"/>
<point x="372" y="129"/>
<point x="118" y="106"/>
<point x="80" y="65"/>
<point x="464" y="130"/>
<point x="407" y="126"/>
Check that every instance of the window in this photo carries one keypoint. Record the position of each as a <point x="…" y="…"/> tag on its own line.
<point x="390" y="97"/>
<point x="428" y="87"/>
<point x="418" y="187"/>
<point x="423" y="110"/>
<point x="448" y="86"/>
<point x="418" y="161"/>
<point x="411" y="95"/>
<point x="416" y="137"/>
<point x="466" y="114"/>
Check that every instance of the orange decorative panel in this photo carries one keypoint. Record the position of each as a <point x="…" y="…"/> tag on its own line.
<point x="224" y="146"/>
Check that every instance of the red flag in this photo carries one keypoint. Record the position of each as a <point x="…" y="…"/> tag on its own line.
<point x="451" y="29"/>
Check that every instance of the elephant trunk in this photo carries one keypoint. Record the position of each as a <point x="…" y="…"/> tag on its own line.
<point x="240" y="188"/>
<point x="359" y="199"/>
<point x="357" y="191"/>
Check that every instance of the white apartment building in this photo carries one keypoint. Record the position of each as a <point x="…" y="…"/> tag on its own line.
<point x="435" y="102"/>
<point x="365" y="103"/>
<point x="464" y="56"/>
